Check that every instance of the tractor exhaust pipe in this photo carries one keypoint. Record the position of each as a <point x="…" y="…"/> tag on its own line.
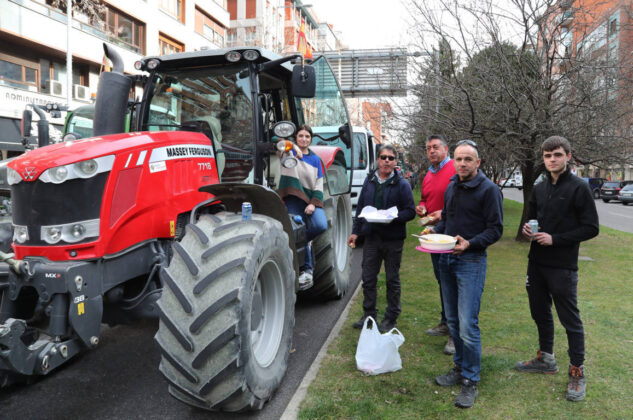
<point x="112" y="97"/>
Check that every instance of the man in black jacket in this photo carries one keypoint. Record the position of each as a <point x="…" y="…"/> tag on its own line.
<point x="383" y="189"/>
<point x="566" y="213"/>
<point x="473" y="214"/>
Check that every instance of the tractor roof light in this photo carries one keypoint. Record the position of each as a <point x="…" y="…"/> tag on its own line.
<point x="152" y="64"/>
<point x="233" y="56"/>
<point x="250" y="55"/>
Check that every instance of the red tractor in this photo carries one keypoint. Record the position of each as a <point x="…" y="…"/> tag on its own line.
<point x="118" y="227"/>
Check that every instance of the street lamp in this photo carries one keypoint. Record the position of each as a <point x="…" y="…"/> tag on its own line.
<point x="435" y="54"/>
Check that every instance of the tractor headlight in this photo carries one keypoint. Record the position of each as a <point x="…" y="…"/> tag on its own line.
<point x="71" y="232"/>
<point x="284" y="129"/>
<point x="84" y="169"/>
<point x="87" y="168"/>
<point x="52" y="234"/>
<point x="20" y="234"/>
<point x="59" y="174"/>
<point x="13" y="177"/>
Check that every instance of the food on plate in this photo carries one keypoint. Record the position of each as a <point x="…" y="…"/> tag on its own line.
<point x="437" y="242"/>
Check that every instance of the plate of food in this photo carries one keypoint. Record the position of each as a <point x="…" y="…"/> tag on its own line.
<point x="437" y="242"/>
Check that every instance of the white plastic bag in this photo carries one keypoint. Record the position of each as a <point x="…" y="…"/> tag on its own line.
<point x="378" y="353"/>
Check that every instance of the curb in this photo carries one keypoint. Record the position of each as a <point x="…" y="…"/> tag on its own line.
<point x="292" y="409"/>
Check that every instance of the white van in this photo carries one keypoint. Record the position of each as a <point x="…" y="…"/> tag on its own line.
<point x="364" y="154"/>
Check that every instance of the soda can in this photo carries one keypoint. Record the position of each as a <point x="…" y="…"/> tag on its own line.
<point x="533" y="224"/>
<point x="247" y="211"/>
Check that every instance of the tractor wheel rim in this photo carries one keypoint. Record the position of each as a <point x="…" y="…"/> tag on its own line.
<point x="267" y="314"/>
<point x="340" y="229"/>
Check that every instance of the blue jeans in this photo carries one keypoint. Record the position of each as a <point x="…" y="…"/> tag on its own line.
<point x="462" y="281"/>
<point x="316" y="224"/>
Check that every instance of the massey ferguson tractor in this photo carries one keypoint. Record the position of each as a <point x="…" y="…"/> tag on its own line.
<point x="118" y="227"/>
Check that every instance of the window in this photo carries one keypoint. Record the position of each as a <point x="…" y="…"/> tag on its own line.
<point x="209" y="28"/>
<point x="251" y="10"/>
<point x="18" y="73"/>
<point x="167" y="45"/>
<point x="176" y="8"/>
<point x="125" y="31"/>
<point x="613" y="27"/>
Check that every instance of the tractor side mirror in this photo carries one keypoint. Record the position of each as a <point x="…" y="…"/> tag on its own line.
<point x="344" y="133"/>
<point x="25" y="124"/>
<point x="303" y="84"/>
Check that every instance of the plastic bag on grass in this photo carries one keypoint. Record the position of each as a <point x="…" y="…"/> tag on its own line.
<point x="378" y="353"/>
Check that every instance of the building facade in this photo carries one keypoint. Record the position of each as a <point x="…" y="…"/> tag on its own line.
<point x="33" y="45"/>
<point x="597" y="35"/>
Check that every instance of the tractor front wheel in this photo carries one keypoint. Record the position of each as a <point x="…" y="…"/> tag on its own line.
<point x="227" y="312"/>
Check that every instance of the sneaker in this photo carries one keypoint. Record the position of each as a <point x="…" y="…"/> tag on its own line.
<point x="543" y="363"/>
<point x="577" y="383"/>
<point x="453" y="377"/>
<point x="387" y="325"/>
<point x="439" y="329"/>
<point x="359" y="324"/>
<point x="466" y="397"/>
<point x="305" y="280"/>
<point x="449" y="348"/>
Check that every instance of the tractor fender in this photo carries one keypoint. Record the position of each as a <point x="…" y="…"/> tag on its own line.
<point x="328" y="154"/>
<point x="264" y="200"/>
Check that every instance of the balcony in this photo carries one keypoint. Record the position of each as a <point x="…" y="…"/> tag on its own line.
<point x="565" y="18"/>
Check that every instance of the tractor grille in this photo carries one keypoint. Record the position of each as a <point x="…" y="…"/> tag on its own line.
<point x="37" y="204"/>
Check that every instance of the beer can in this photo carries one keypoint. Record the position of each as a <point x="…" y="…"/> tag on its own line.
<point x="247" y="211"/>
<point x="533" y="224"/>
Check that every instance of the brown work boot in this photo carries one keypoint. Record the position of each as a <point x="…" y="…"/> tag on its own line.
<point x="439" y="329"/>
<point x="577" y="385"/>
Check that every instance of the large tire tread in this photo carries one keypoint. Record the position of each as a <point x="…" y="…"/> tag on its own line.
<point x="205" y="312"/>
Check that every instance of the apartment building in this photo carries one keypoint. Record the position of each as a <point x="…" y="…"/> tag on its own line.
<point x="273" y="24"/>
<point x="600" y="32"/>
<point x="33" y="45"/>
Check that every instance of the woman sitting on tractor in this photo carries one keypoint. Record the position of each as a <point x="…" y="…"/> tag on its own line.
<point x="301" y="188"/>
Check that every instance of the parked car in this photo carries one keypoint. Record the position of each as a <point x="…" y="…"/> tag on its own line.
<point x="595" y="184"/>
<point x="626" y="194"/>
<point x="610" y="190"/>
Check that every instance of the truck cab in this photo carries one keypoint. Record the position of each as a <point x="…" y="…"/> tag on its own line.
<point x="363" y="159"/>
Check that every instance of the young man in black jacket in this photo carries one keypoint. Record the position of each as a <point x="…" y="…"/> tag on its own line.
<point x="383" y="189"/>
<point x="566" y="213"/>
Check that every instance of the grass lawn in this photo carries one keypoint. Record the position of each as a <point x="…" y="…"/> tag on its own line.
<point x="508" y="334"/>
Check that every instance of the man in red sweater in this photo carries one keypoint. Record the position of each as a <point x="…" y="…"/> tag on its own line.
<point x="431" y="203"/>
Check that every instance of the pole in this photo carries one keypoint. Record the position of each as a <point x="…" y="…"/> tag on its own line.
<point x="69" y="55"/>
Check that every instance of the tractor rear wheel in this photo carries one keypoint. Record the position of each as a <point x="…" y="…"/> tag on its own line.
<point x="332" y="255"/>
<point x="227" y="312"/>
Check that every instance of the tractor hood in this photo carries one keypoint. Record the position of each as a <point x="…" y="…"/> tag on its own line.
<point x="33" y="163"/>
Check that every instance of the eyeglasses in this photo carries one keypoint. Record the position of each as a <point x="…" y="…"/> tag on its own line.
<point x="468" y="142"/>
<point x="389" y="158"/>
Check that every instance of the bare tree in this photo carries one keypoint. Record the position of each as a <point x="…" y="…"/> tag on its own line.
<point x="508" y="75"/>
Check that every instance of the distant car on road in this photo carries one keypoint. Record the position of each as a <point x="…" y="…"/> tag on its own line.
<point x="610" y="190"/>
<point x="626" y="194"/>
<point x="595" y="184"/>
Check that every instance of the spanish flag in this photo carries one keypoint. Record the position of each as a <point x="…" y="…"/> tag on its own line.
<point x="302" y="42"/>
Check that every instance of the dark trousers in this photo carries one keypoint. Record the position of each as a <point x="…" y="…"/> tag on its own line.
<point x="435" y="259"/>
<point x="375" y="251"/>
<point x="545" y="284"/>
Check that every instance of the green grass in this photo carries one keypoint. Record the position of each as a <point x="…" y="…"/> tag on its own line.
<point x="508" y="334"/>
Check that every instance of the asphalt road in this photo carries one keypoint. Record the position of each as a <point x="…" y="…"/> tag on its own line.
<point x="612" y="214"/>
<point x="120" y="378"/>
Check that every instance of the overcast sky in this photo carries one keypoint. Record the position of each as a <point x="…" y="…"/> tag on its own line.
<point x="364" y="23"/>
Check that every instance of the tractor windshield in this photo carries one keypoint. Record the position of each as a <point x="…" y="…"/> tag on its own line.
<point x="215" y="101"/>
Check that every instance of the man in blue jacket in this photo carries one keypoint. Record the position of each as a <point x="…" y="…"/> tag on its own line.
<point x="564" y="207"/>
<point x="473" y="214"/>
<point x="383" y="189"/>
